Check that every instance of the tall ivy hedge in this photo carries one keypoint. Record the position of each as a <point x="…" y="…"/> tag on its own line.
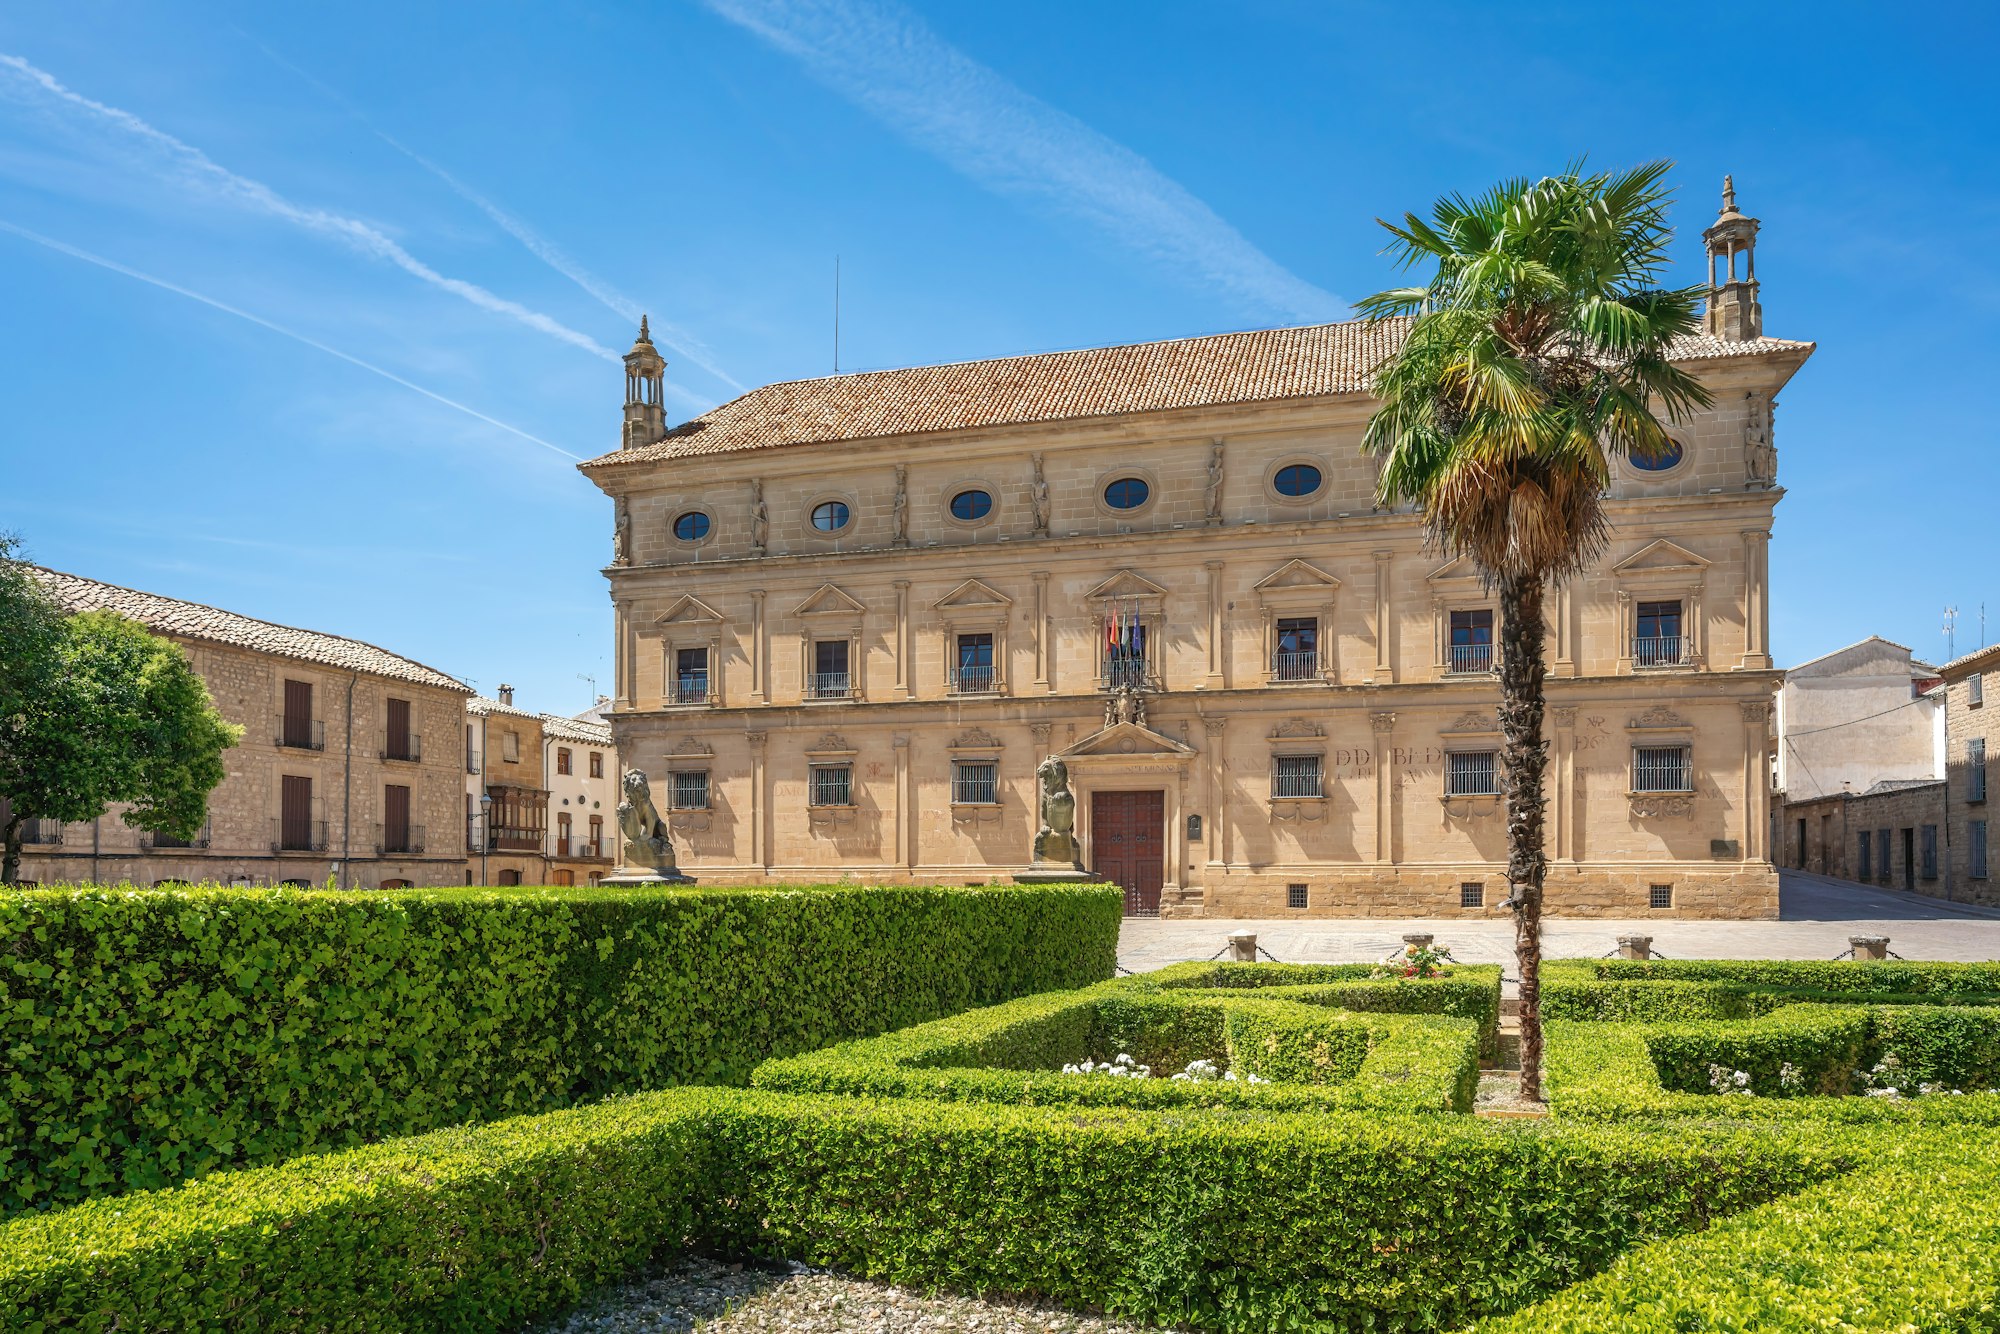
<point x="149" y="1036"/>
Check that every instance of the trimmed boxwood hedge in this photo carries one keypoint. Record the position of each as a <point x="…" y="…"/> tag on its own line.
<point x="1216" y="1220"/>
<point x="1465" y="992"/>
<point x="1668" y="989"/>
<point x="149" y="1036"/>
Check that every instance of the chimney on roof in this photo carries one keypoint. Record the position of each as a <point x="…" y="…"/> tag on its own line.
<point x="1734" y="314"/>
<point x="645" y="383"/>
<point x="507" y="695"/>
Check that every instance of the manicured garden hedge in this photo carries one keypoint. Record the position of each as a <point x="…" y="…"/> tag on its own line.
<point x="1630" y="990"/>
<point x="148" y="1036"/>
<point x="1464" y="992"/>
<point x="1215" y="1220"/>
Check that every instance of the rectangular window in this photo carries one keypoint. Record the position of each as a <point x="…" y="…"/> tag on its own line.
<point x="563" y="834"/>
<point x="596" y="848"/>
<point x="397" y="835"/>
<point x="975" y="782"/>
<point x="974" y="669"/>
<point x="1296" y="896"/>
<point x="1927" y="842"/>
<point x="1124" y="650"/>
<point x="1471" y="773"/>
<point x="690" y="789"/>
<point x="562" y="759"/>
<point x="295" y="818"/>
<point x="597" y="764"/>
<point x="1296" y="776"/>
<point x="832" y="785"/>
<point x="1867" y="857"/>
<point x="690" y="685"/>
<point x="1471" y="646"/>
<point x="1660" y="896"/>
<point x="510" y="746"/>
<point x="1658" y="641"/>
<point x="1471" y="894"/>
<point x="399" y="740"/>
<point x="1661" y="769"/>
<point x="1882" y="856"/>
<point x="1975" y="690"/>
<point x="1975" y="769"/>
<point x="830" y="679"/>
<point x="300" y="730"/>
<point x="1297" y="657"/>
<point x="1975" y="849"/>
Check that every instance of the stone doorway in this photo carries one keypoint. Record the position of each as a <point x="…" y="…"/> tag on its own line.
<point x="1128" y="846"/>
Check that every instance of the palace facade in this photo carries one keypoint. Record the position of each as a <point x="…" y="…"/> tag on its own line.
<point x="854" y="614"/>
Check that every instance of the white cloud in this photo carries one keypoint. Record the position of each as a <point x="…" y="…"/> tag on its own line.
<point x="884" y="58"/>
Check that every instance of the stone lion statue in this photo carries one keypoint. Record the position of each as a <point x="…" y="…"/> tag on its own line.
<point x="1055" y="841"/>
<point x="648" y="845"/>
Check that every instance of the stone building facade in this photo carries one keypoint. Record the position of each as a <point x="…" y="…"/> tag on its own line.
<point x="854" y="615"/>
<point x="580" y="771"/>
<point x="1856" y="717"/>
<point x="347" y="770"/>
<point x="1890" y="834"/>
<point x="540" y="796"/>
<point x="1972" y="733"/>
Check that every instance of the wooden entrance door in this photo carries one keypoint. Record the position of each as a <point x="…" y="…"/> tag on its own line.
<point x="1128" y="845"/>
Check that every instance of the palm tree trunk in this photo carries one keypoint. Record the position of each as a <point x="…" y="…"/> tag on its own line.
<point x="1524" y="756"/>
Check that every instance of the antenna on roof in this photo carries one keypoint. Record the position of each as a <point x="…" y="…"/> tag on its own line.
<point x="836" y="314"/>
<point x="1950" y="633"/>
<point x="585" y="676"/>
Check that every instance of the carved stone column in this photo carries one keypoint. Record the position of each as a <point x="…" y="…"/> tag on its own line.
<point x="1756" y="780"/>
<point x="1563" y="809"/>
<point x="1042" y="645"/>
<point x="1216" y="797"/>
<point x="904" y="684"/>
<point x="760" y="651"/>
<point x="622" y="670"/>
<point x="1384" y="671"/>
<point x="906" y="806"/>
<point x="1218" y="646"/>
<point x="1756" y="600"/>
<point x="1565" y="663"/>
<point x="1385" y="786"/>
<point x="760" y="803"/>
<point x="1627" y="628"/>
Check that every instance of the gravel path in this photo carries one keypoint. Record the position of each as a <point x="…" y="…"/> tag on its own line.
<point x="716" y="1297"/>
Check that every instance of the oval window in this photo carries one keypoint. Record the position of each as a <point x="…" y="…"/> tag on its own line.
<point x="1666" y="459"/>
<point x="692" y="526"/>
<point x="971" y="505"/>
<point x="1297" y="480"/>
<point x="830" y="516"/>
<point x="1127" y="493"/>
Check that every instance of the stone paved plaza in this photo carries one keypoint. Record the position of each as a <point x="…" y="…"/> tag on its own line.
<point x="1816" y="916"/>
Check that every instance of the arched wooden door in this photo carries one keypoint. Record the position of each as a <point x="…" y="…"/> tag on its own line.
<point x="1128" y="845"/>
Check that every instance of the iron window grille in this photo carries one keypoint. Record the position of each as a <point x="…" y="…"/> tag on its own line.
<point x="408" y="838"/>
<point x="302" y="734"/>
<point x="1661" y="769"/>
<point x="298" y="835"/>
<point x="832" y="785"/>
<point x="688" y="789"/>
<point x="975" y="782"/>
<point x="1975" y="769"/>
<point x="1660" y="896"/>
<point x="1296" y="776"/>
<point x="1472" y="773"/>
<point x="1296" y="896"/>
<point x="1471" y="894"/>
<point x="155" y="841"/>
<point x="1975" y="690"/>
<point x="42" y="833"/>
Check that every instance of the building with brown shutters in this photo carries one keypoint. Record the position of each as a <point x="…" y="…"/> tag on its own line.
<point x="347" y="771"/>
<point x="855" y="614"/>
<point x="541" y="803"/>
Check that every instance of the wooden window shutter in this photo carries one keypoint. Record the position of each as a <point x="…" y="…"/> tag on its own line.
<point x="295" y="805"/>
<point x="298" y="713"/>
<point x="396" y="817"/>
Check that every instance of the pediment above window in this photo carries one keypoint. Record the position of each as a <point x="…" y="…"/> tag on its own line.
<point x="974" y="597"/>
<point x="1128" y="741"/>
<point x="830" y="600"/>
<point x="1661" y="557"/>
<point x="688" y="610"/>
<point x="1296" y="576"/>
<point x="1127" y="586"/>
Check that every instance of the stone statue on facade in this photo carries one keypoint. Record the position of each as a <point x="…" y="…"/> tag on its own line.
<point x="760" y="518"/>
<point x="1055" y="841"/>
<point x="1760" y="456"/>
<point x="645" y="847"/>
<point x="902" y="512"/>
<point x="1212" y="495"/>
<point x="1041" y="491"/>
<point x="621" y="534"/>
<point x="1126" y="704"/>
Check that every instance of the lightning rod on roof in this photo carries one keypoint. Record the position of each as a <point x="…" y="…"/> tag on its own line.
<point x="836" y="314"/>
<point x="1950" y="633"/>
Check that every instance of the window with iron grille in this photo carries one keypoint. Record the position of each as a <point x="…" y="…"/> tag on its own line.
<point x="1296" y="896"/>
<point x="1867" y="858"/>
<point x="1295" y="776"/>
<point x="1472" y="894"/>
<point x="1471" y="773"/>
<point x="1660" y="769"/>
<point x="690" y="789"/>
<point x="832" y="785"/>
<point x="1975" y="849"/>
<point x="1927" y="841"/>
<point x="1660" y="896"/>
<point x="1975" y="690"/>
<point x="975" y="782"/>
<point x="1975" y="769"/>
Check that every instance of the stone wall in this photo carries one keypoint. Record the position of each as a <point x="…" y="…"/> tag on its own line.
<point x="1966" y="726"/>
<point x="1824" y="836"/>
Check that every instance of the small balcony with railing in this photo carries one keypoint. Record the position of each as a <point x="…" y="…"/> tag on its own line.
<point x="41" y="833"/>
<point x="292" y="835"/>
<point x="1468" y="659"/>
<point x="689" y="689"/>
<point x="408" y="748"/>
<point x="301" y="734"/>
<point x="398" y="839"/>
<point x="579" y="848"/>
<point x="513" y="838"/>
<point x="1652" y="651"/>
<point x="151" y="840"/>
<point x="1295" y="665"/>
<point x="1133" y="673"/>
<point x="971" y="679"/>
<point x="830" y="685"/>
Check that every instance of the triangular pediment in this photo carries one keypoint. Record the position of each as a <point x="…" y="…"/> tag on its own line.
<point x="974" y="595"/>
<point x="1457" y="568"/>
<point x="687" y="608"/>
<point x="829" y="600"/>
<point x="1127" y="584"/>
<point x="1659" y="554"/>
<point x="1126" y="739"/>
<point x="1296" y="574"/>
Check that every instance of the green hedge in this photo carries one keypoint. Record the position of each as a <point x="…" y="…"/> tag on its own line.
<point x="1466" y="992"/>
<point x="149" y="1036"/>
<point x="1217" y="1221"/>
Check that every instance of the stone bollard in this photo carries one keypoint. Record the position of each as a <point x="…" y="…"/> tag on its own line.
<point x="1635" y="947"/>
<point x="1243" y="947"/>
<point x="1419" y="940"/>
<point x="1870" y="947"/>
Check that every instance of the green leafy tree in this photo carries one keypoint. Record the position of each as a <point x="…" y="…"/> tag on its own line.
<point x="30" y="623"/>
<point x="115" y="714"/>
<point x="1538" y="348"/>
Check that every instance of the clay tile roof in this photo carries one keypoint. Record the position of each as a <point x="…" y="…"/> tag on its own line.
<point x="479" y="707"/>
<point x="192" y="620"/>
<point x="1257" y="366"/>
<point x="1965" y="662"/>
<point x="576" y="729"/>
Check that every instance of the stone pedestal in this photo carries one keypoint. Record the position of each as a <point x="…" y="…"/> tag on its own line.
<point x="1041" y="874"/>
<point x="642" y="877"/>
<point x="1243" y="947"/>
<point x="1418" y="940"/>
<point x="1869" y="947"/>
<point x="1635" y="947"/>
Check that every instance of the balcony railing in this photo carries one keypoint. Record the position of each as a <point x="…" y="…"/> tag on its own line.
<point x="829" y="685"/>
<point x="1468" y="659"/>
<point x="504" y="839"/>
<point x="688" y="690"/>
<point x="154" y="841"/>
<point x="1299" y="665"/>
<point x="1133" y="672"/>
<point x="472" y="764"/>
<point x="302" y="734"/>
<point x="1659" y="651"/>
<point x="578" y="849"/>
<point x="41" y="833"/>
<point x="409" y="746"/>
<point x="407" y="839"/>
<point x="298" y="835"/>
<point x="970" y="680"/>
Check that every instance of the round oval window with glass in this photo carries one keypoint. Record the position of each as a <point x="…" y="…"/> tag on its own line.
<point x="1127" y="493"/>
<point x="1664" y="461"/>
<point x="1298" y="480"/>
<point x="971" y="506"/>
<point x="830" y="516"/>
<point x="692" y="526"/>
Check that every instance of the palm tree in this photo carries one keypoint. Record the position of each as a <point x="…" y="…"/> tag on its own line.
<point x="1539" y="347"/>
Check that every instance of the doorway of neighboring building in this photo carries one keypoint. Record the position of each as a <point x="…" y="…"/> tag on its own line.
<point x="1128" y="846"/>
<point x="1909" y="859"/>
<point x="1802" y="843"/>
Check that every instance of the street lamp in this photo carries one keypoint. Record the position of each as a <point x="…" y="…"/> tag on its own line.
<point x="485" y="833"/>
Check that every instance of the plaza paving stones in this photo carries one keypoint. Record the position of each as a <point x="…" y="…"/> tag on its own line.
<point x="1816" y="916"/>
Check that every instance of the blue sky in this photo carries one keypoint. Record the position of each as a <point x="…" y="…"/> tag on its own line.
<point x="305" y="305"/>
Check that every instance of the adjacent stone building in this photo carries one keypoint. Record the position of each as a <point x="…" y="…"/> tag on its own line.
<point x="1972" y="731"/>
<point x="346" y="772"/>
<point x="855" y="614"/>
<point x="580" y="771"/>
<point x="540" y="795"/>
